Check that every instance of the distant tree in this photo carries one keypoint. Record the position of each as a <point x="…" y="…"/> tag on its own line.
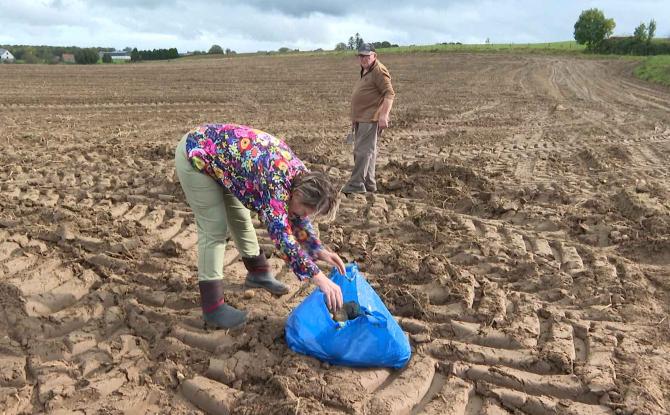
<point x="29" y="57"/>
<point x="341" y="46"/>
<point x="651" y="30"/>
<point x="215" y="50"/>
<point x="16" y="51"/>
<point x="106" y="58"/>
<point x="592" y="28"/>
<point x="283" y="50"/>
<point x="488" y="41"/>
<point x="155" y="54"/>
<point x="640" y="33"/>
<point x="86" y="56"/>
<point x="127" y="49"/>
<point x="135" y="55"/>
<point x="44" y="54"/>
<point x="355" y="41"/>
<point x="230" y="52"/>
<point x="358" y="40"/>
<point x="381" y="45"/>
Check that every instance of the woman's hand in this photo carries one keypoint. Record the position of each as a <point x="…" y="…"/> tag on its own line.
<point x="332" y="258"/>
<point x="331" y="290"/>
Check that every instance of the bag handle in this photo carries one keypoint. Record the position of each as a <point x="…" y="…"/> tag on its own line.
<point x="351" y="271"/>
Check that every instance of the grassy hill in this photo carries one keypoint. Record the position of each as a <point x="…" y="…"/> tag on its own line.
<point x="655" y="69"/>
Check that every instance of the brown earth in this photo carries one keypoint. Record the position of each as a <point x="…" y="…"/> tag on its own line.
<point x="521" y="235"/>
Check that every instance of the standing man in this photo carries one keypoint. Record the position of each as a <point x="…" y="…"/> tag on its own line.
<point x="371" y="104"/>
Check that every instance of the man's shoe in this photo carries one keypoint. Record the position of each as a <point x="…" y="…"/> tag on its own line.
<point x="260" y="276"/>
<point x="350" y="190"/>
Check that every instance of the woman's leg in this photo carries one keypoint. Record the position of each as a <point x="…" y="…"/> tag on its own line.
<point x="206" y="199"/>
<point x="242" y="229"/>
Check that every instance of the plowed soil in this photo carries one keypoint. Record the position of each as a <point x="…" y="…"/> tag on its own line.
<point x="521" y="235"/>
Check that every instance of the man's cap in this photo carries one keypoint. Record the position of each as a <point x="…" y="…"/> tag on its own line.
<point x="366" y="49"/>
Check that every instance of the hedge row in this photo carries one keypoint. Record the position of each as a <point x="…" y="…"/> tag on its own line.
<point x="632" y="46"/>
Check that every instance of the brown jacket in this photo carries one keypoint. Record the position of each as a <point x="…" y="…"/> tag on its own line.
<point x="369" y="92"/>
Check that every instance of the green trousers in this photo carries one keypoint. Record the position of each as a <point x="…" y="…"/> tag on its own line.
<point x="216" y="211"/>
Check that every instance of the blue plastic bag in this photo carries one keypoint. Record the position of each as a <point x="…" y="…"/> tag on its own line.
<point x="373" y="339"/>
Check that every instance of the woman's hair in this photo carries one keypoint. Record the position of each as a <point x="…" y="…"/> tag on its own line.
<point x="317" y="191"/>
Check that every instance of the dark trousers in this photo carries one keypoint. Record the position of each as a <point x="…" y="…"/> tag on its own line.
<point x="365" y="157"/>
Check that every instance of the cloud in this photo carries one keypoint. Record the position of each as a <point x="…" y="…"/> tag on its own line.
<point x="253" y="25"/>
<point x="369" y="9"/>
<point x="133" y="4"/>
<point x="38" y="13"/>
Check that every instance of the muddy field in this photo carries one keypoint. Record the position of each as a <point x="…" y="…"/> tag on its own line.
<point x="520" y="236"/>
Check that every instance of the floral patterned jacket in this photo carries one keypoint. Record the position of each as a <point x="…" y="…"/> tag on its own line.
<point x="258" y="169"/>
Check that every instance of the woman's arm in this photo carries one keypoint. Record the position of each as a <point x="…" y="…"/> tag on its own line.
<point x="306" y="234"/>
<point x="274" y="214"/>
<point x="307" y="237"/>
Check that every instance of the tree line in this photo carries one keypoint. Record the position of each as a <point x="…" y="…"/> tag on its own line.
<point x="356" y="41"/>
<point x="216" y="50"/>
<point x="48" y="54"/>
<point x="85" y="56"/>
<point x="153" y="55"/>
<point x="594" y="30"/>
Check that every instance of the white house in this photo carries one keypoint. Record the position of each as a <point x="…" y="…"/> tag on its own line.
<point x="6" y="56"/>
<point x="117" y="55"/>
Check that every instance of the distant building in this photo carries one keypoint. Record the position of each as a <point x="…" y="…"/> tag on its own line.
<point x="6" y="56"/>
<point x="117" y="55"/>
<point x="68" y="58"/>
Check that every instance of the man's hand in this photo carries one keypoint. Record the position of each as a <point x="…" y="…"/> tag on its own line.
<point x="383" y="121"/>
<point x="384" y="111"/>
<point x="331" y="290"/>
<point x="332" y="258"/>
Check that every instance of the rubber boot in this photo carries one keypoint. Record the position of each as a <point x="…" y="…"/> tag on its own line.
<point x="215" y="311"/>
<point x="259" y="275"/>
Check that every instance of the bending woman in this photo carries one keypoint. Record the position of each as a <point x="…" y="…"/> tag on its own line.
<point x="226" y="170"/>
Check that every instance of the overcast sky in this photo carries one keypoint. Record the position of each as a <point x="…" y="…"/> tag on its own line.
<point x="253" y="25"/>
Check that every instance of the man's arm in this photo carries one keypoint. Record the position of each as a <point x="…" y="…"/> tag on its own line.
<point x="383" y="83"/>
<point x="384" y="111"/>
